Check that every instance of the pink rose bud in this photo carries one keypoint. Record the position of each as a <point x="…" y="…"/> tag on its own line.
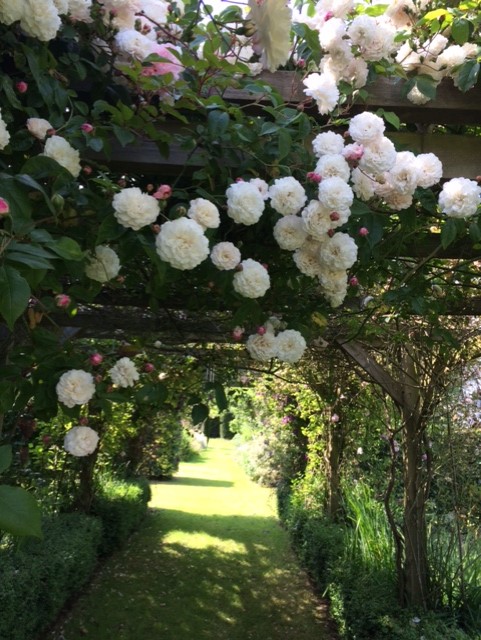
<point x="237" y="333"/>
<point x="51" y="132"/>
<point x="314" y="177"/>
<point x="87" y="127"/>
<point x="353" y="152"/>
<point x="334" y="417"/>
<point x="4" y="207"/>
<point x="301" y="63"/>
<point x="363" y="232"/>
<point x="62" y="300"/>
<point x="265" y="265"/>
<point x="328" y="16"/>
<point x="334" y="216"/>
<point x="155" y="228"/>
<point x="83" y="421"/>
<point x="331" y="232"/>
<point x="122" y="183"/>
<point x="149" y="188"/>
<point x="96" y="359"/>
<point x="120" y="279"/>
<point x="353" y="281"/>
<point x="98" y="378"/>
<point x="261" y="331"/>
<point x="87" y="170"/>
<point x="163" y="192"/>
<point x="149" y="367"/>
<point x="21" y="86"/>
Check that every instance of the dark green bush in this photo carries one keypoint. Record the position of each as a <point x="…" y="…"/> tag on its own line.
<point x="37" y="578"/>
<point x="121" y="505"/>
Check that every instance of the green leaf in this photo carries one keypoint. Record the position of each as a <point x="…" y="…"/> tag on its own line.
<point x="449" y="233"/>
<point x="285" y="143"/>
<point x="475" y="232"/>
<point x="44" y="167"/>
<point x="359" y="208"/>
<point x="14" y="295"/>
<point x="67" y="248"/>
<point x="153" y="394"/>
<point x="109" y="229"/>
<point x="220" y="397"/>
<point x="124" y="136"/>
<point x="199" y="413"/>
<point x="96" y="144"/>
<point x="467" y="75"/>
<point x="19" y="513"/>
<point x="217" y="123"/>
<point x="426" y="85"/>
<point x="460" y="30"/>
<point x="5" y="457"/>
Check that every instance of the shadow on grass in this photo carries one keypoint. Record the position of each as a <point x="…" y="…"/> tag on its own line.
<point x="242" y="588"/>
<point x="200" y="482"/>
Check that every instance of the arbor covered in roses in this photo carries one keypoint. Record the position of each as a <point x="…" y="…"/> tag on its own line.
<point x="281" y="218"/>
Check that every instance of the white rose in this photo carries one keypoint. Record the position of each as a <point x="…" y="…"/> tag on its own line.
<point x="327" y="142"/>
<point x="287" y="196"/>
<point x="333" y="165"/>
<point x="245" y="204"/>
<point x="204" y="213"/>
<point x="124" y="373"/>
<point x="290" y="345"/>
<point x="316" y="219"/>
<point x="323" y="89"/>
<point x="460" y="198"/>
<point x="134" y="209"/>
<point x="40" y="19"/>
<point x="253" y="280"/>
<point x="366" y="127"/>
<point x="429" y="169"/>
<point x="225" y="256"/>
<point x="338" y="252"/>
<point x="60" y="150"/>
<point x="334" y="194"/>
<point x="104" y="265"/>
<point x="272" y="19"/>
<point x="289" y="233"/>
<point x="182" y="243"/>
<point x="75" y="387"/>
<point x="79" y="10"/>
<point x="262" y="347"/>
<point x="4" y="134"/>
<point x="80" y="441"/>
<point x="38" y="127"/>
<point x="134" y="43"/>
<point x="363" y="185"/>
<point x="379" y="156"/>
<point x="334" y="286"/>
<point x="307" y="258"/>
<point x="262" y="186"/>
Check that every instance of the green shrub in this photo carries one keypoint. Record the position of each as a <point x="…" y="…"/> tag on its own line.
<point x="189" y="448"/>
<point x="121" y="505"/>
<point x="37" y="578"/>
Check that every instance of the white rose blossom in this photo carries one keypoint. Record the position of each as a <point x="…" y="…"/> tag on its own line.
<point x="124" y="373"/>
<point x="103" y="265"/>
<point x="272" y="20"/>
<point x="245" y="204"/>
<point x="39" y="127"/>
<point x="182" y="243"/>
<point x="287" y="196"/>
<point x="290" y="346"/>
<point x="80" y="441"/>
<point x="366" y="128"/>
<point x="363" y="185"/>
<point x="306" y="258"/>
<point x="204" y="213"/>
<point x="60" y="150"/>
<point x="333" y="165"/>
<point x="40" y="19"/>
<point x="327" y="143"/>
<point x="252" y="281"/>
<point x="334" y="194"/>
<point x="429" y="169"/>
<point x="290" y="233"/>
<point x="4" y="134"/>
<point x="378" y="156"/>
<point x="79" y="10"/>
<point x="338" y="252"/>
<point x="323" y="89"/>
<point x="75" y="387"/>
<point x="134" y="209"/>
<point x="262" y="347"/>
<point x="460" y="198"/>
<point x="262" y="186"/>
<point x="334" y="285"/>
<point x="11" y="12"/>
<point x="316" y="220"/>
<point x="225" y="256"/>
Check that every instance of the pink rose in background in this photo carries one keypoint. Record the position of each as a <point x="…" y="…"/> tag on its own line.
<point x="171" y="64"/>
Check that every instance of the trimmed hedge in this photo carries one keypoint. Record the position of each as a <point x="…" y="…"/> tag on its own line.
<point x="121" y="505"/>
<point x="38" y="578"/>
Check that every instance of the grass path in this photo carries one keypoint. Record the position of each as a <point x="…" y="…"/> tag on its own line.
<point x="211" y="563"/>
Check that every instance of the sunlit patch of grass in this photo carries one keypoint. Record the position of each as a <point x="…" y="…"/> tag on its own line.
<point x="211" y="563"/>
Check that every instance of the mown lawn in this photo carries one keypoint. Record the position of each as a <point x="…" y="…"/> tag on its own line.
<point x="211" y="563"/>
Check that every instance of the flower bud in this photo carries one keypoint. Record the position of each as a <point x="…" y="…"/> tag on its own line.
<point x="4" y="207"/>
<point x="261" y="331"/>
<point x="149" y="367"/>
<point x="363" y="232"/>
<point x="96" y="359"/>
<point x="353" y="281"/>
<point x="334" y="216"/>
<point x="21" y="87"/>
<point x="163" y="192"/>
<point x="334" y="418"/>
<point x="237" y="333"/>
<point x="62" y="300"/>
<point x="83" y="421"/>
<point x="87" y="170"/>
<point x="87" y="127"/>
<point x="314" y="177"/>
